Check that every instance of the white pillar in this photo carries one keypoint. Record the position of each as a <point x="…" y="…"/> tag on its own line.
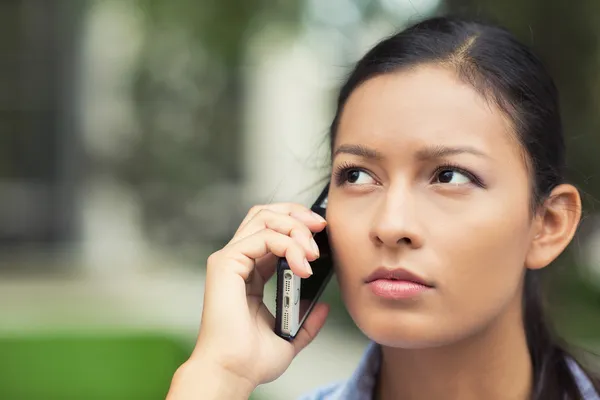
<point x="287" y="115"/>
<point x="112" y="242"/>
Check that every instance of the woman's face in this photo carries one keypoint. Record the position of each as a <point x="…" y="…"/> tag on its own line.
<point x="429" y="178"/>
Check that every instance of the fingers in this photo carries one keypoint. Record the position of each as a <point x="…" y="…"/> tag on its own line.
<point x="267" y="232"/>
<point x="311" y="327"/>
<point x="264" y="268"/>
<point x="290" y="219"/>
<point x="241" y="256"/>
<point x="287" y="225"/>
<point x="303" y="214"/>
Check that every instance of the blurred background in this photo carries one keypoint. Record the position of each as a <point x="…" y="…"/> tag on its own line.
<point x="136" y="134"/>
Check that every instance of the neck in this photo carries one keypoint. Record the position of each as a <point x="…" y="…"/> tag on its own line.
<point x="494" y="364"/>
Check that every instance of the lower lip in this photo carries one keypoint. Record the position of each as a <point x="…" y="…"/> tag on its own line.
<point x="396" y="289"/>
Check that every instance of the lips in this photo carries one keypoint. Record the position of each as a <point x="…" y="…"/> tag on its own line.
<point x="397" y="284"/>
<point x="398" y="274"/>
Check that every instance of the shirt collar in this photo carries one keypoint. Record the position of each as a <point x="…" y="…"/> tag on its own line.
<point x="361" y="384"/>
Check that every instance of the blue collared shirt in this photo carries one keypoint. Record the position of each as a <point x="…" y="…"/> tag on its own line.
<point x="362" y="382"/>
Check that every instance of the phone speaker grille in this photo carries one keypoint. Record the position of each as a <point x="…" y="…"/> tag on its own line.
<point x="286" y="322"/>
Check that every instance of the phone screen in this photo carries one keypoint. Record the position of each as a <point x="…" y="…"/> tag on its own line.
<point x="311" y="288"/>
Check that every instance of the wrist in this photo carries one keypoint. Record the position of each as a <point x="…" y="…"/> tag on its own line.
<point x="196" y="379"/>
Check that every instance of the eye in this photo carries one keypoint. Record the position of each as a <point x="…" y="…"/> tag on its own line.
<point x="353" y="176"/>
<point x="453" y="176"/>
<point x="357" y="177"/>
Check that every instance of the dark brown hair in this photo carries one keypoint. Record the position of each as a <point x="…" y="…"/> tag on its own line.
<point x="507" y="73"/>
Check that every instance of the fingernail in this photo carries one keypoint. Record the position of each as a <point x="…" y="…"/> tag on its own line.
<point x="315" y="247"/>
<point x="318" y="217"/>
<point x="308" y="268"/>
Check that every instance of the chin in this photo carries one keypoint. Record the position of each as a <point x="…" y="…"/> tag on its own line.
<point x="404" y="329"/>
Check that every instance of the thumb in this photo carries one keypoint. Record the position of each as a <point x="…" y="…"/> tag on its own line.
<point x="311" y="327"/>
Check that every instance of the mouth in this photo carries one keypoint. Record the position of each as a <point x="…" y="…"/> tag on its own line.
<point x="397" y="284"/>
<point x="398" y="274"/>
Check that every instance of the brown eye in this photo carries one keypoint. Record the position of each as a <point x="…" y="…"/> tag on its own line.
<point x="353" y="176"/>
<point x="452" y="176"/>
<point x="356" y="176"/>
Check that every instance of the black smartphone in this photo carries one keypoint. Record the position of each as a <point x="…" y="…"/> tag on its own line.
<point x="296" y="297"/>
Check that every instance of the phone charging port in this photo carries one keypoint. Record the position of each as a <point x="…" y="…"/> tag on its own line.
<point x="286" y="301"/>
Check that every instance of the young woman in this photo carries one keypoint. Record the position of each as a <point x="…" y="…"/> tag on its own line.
<point x="447" y="171"/>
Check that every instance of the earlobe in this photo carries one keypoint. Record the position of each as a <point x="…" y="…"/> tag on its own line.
<point x="555" y="226"/>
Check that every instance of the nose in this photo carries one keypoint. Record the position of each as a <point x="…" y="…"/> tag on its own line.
<point x="396" y="221"/>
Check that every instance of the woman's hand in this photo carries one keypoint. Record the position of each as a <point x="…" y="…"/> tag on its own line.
<point x="237" y="349"/>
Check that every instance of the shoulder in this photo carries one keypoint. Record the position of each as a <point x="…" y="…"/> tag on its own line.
<point x="328" y="392"/>
<point x="584" y="382"/>
<point x="359" y="386"/>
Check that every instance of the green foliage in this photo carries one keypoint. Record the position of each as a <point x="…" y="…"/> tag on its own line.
<point x="574" y="305"/>
<point x="57" y="367"/>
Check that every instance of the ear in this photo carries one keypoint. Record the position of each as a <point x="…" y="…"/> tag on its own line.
<point x="555" y="225"/>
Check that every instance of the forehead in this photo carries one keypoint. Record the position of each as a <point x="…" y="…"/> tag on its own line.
<point x="425" y="105"/>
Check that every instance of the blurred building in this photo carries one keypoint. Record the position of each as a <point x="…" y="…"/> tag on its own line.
<point x="40" y="157"/>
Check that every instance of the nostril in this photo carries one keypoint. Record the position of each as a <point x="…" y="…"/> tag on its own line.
<point x="404" y="240"/>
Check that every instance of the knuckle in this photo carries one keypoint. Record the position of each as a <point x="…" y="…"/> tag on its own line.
<point x="297" y="232"/>
<point x="282" y="222"/>
<point x="265" y="212"/>
<point x="275" y="236"/>
<point x="299" y="207"/>
<point x="255" y="209"/>
<point x="266" y="233"/>
<point x="303" y="230"/>
<point x="213" y="259"/>
<point x="293" y="221"/>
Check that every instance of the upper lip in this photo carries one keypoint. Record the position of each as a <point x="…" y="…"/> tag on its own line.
<point x="399" y="274"/>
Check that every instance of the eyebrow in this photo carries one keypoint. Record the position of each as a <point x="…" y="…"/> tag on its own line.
<point x="439" y="151"/>
<point x="358" y="150"/>
<point x="427" y="153"/>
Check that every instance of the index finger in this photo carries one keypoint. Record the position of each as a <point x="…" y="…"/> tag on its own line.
<point x="295" y="210"/>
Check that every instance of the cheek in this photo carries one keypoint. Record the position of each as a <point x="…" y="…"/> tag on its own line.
<point x="351" y="248"/>
<point x="485" y="243"/>
<point x="481" y="259"/>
